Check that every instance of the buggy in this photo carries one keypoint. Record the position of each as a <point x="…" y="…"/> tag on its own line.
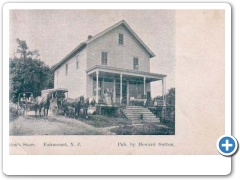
<point x="24" y="103"/>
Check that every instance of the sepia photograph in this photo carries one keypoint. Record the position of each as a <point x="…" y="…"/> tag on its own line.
<point x="106" y="88"/>
<point x="91" y="72"/>
<point x="110" y="81"/>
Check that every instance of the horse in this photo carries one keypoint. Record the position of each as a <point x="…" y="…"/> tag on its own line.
<point x="85" y="107"/>
<point x="66" y="105"/>
<point x="83" y="104"/>
<point x="77" y="104"/>
<point x="32" y="105"/>
<point x="44" y="102"/>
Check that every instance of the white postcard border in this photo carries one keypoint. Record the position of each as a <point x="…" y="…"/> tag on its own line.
<point x="115" y="164"/>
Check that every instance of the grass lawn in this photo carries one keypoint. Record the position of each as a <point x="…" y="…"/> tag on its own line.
<point x="143" y="129"/>
<point x="105" y="121"/>
<point x="170" y="124"/>
<point x="125" y="126"/>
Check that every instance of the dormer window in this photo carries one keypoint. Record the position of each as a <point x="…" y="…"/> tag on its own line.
<point x="120" y="39"/>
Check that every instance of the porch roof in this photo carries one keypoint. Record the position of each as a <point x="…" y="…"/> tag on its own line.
<point x="128" y="72"/>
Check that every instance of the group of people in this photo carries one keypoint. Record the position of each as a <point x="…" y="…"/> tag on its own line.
<point x="26" y="99"/>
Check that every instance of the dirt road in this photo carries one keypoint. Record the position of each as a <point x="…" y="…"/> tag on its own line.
<point x="53" y="126"/>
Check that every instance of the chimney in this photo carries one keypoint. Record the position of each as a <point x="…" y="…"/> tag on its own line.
<point x="89" y="37"/>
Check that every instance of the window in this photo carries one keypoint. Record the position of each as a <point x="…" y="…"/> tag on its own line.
<point x="120" y="39"/>
<point x="135" y="63"/>
<point x="66" y="69"/>
<point x="104" y="58"/>
<point x="77" y="61"/>
<point x="136" y="90"/>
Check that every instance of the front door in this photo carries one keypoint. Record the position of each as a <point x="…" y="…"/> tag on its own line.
<point x="148" y="95"/>
<point x="124" y="94"/>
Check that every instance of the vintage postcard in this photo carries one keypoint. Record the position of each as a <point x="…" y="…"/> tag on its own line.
<point x="109" y="81"/>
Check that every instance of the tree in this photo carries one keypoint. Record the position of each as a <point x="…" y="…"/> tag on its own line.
<point x="170" y="97"/>
<point x="170" y="104"/>
<point x="22" y="48"/>
<point x="28" y="73"/>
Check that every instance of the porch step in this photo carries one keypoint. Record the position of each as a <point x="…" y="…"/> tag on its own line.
<point x="133" y="113"/>
<point x="138" y="114"/>
<point x="138" y="110"/>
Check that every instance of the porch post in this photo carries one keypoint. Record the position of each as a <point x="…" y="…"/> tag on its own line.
<point x="97" y="86"/>
<point x="144" y="87"/>
<point x="127" y="92"/>
<point x="121" y="88"/>
<point x="165" y="91"/>
<point x="102" y="91"/>
<point x="114" y="90"/>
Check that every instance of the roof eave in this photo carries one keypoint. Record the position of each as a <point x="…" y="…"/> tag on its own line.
<point x="66" y="58"/>
<point x="139" y="39"/>
<point x="131" y="31"/>
<point x="84" y="44"/>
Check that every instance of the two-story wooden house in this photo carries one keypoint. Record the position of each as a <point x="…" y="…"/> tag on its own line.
<point x="113" y="66"/>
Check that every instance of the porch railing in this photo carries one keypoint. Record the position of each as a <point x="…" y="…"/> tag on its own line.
<point x="132" y="102"/>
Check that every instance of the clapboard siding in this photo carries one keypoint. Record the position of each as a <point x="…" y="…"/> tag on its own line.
<point x="76" y="79"/>
<point x="120" y="56"/>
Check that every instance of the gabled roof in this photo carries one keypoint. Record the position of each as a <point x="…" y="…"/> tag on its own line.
<point x="84" y="44"/>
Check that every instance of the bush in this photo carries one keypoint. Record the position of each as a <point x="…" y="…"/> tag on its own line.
<point x="13" y="112"/>
<point x="109" y="111"/>
<point x="170" y="105"/>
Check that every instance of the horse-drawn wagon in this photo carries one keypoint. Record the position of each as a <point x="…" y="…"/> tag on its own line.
<point x="28" y="105"/>
<point x="50" y="102"/>
<point x="25" y="103"/>
<point x="57" y="95"/>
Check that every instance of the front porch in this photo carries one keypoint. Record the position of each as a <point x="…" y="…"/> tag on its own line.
<point x="115" y="86"/>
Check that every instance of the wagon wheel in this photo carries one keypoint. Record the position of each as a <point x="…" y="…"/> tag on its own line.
<point x="21" y="112"/>
<point x="21" y="108"/>
<point x="24" y="109"/>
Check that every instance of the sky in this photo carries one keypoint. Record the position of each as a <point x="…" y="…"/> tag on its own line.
<point x="55" y="33"/>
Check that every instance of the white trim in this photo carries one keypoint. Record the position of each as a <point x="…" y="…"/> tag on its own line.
<point x="130" y="72"/>
<point x="129" y="28"/>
